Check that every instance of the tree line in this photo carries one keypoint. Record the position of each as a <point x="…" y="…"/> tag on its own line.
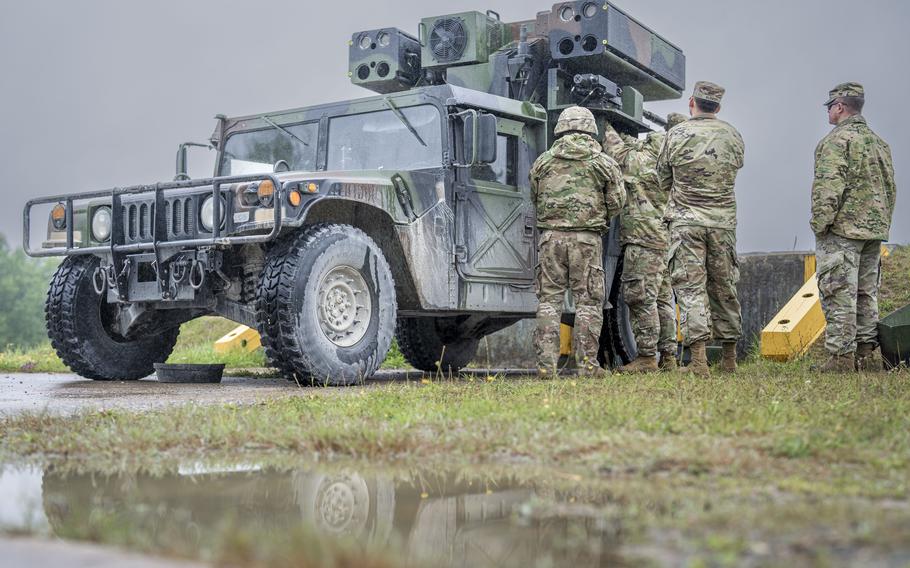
<point x="23" y="289"/>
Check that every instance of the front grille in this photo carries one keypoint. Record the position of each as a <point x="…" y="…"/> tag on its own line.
<point x="139" y="219"/>
<point x="180" y="217"/>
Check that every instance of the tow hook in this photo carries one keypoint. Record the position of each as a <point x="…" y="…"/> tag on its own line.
<point x="99" y="280"/>
<point x="197" y="275"/>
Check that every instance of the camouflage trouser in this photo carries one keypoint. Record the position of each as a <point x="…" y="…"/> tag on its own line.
<point x="848" y="279"/>
<point x="569" y="260"/>
<point x="647" y="291"/>
<point x="704" y="271"/>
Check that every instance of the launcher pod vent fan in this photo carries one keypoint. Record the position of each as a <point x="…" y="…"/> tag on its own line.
<point x="448" y="39"/>
<point x="466" y="38"/>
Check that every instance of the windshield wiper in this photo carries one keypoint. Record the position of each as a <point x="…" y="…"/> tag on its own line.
<point x="280" y="128"/>
<point x="404" y="120"/>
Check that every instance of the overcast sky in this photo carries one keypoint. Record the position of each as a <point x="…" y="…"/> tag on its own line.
<point x="95" y="94"/>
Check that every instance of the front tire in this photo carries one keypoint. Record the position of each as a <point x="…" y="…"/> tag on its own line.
<point x="78" y="324"/>
<point x="426" y="345"/>
<point x="332" y="315"/>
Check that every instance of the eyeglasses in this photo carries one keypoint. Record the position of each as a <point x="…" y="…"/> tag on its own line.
<point x="830" y="106"/>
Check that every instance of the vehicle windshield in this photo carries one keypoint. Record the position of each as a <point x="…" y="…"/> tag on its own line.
<point x="382" y="141"/>
<point x="257" y="151"/>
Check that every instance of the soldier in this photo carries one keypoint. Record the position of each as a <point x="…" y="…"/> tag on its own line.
<point x="852" y="204"/>
<point x="646" y="241"/>
<point x="699" y="161"/>
<point x="576" y="189"/>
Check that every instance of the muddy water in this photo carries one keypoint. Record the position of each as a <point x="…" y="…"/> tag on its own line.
<point x="418" y="518"/>
<point x="465" y="518"/>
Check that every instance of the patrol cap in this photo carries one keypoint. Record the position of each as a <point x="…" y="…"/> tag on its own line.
<point x="845" y="90"/>
<point x="707" y="91"/>
<point x="675" y="118"/>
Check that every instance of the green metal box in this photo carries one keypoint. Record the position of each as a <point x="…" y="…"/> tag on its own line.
<point x="385" y="60"/>
<point x="460" y="39"/>
<point x="894" y="336"/>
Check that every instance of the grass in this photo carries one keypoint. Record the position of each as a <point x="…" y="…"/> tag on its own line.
<point x="707" y="472"/>
<point x="895" y="289"/>
<point x="195" y="345"/>
<point x="818" y="433"/>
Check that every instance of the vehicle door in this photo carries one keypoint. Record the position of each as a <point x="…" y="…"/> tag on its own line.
<point x="495" y="222"/>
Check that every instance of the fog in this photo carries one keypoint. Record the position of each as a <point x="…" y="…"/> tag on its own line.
<point x="98" y="94"/>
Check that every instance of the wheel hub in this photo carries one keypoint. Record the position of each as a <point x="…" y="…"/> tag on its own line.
<point x="344" y="306"/>
<point x="342" y="505"/>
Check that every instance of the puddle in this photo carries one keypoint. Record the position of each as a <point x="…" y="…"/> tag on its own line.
<point x="458" y="518"/>
<point x="420" y="519"/>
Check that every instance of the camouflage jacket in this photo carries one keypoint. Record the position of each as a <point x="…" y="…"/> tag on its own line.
<point x="642" y="217"/>
<point x="575" y="186"/>
<point x="699" y="161"/>
<point x="853" y="193"/>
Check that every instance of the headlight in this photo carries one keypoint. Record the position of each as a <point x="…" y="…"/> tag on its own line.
<point x="207" y="213"/>
<point x="101" y="224"/>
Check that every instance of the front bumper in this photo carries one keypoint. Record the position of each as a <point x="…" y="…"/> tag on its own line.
<point x="158" y="227"/>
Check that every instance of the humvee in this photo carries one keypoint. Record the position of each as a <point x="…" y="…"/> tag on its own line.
<point x="332" y="229"/>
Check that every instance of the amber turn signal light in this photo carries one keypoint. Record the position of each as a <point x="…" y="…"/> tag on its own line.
<point x="266" y="192"/>
<point x="58" y="216"/>
<point x="294" y="198"/>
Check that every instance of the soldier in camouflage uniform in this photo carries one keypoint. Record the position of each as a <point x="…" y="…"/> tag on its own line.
<point x="699" y="161"/>
<point x="646" y="241"/>
<point x="852" y="204"/>
<point x="576" y="189"/>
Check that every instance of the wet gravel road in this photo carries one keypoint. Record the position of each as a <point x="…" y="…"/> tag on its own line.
<point x="60" y="393"/>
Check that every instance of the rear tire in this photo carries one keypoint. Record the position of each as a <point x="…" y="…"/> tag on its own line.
<point x="328" y="310"/>
<point x="78" y="326"/>
<point x="426" y="346"/>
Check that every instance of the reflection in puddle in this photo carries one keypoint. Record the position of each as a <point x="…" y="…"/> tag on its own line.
<point x="420" y="518"/>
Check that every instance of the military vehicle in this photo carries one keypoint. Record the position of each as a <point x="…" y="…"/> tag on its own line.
<point x="333" y="228"/>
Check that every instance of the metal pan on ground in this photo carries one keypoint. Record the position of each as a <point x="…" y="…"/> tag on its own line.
<point x="189" y="373"/>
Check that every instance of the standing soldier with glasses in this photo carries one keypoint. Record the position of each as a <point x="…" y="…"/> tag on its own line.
<point x="646" y="243"/>
<point x="576" y="189"/>
<point x="699" y="161"/>
<point x="852" y="204"/>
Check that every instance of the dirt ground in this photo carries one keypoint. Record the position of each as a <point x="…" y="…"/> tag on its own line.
<point x="60" y="393"/>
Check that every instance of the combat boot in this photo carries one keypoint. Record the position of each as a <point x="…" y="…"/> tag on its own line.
<point x="839" y="364"/>
<point x="698" y="365"/>
<point x="728" y="363"/>
<point x="641" y="364"/>
<point x="867" y="360"/>
<point x="668" y="361"/>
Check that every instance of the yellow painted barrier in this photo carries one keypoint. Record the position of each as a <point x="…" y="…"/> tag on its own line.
<point x="809" y="267"/>
<point x="241" y="337"/>
<point x="565" y="339"/>
<point x="796" y="326"/>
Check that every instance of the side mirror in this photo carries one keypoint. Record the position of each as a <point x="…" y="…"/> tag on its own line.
<point x="479" y="138"/>
<point x="181" y="159"/>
